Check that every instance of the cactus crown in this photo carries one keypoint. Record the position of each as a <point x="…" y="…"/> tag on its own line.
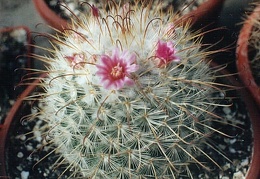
<point x="129" y="94"/>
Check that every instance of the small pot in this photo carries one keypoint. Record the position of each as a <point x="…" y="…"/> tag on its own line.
<point x="253" y="172"/>
<point x="5" y="124"/>
<point x="207" y="12"/>
<point x="52" y="18"/>
<point x="243" y="61"/>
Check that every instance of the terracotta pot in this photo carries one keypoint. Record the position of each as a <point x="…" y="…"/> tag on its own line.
<point x="254" y="114"/>
<point x="207" y="13"/>
<point x="6" y="123"/>
<point x="243" y="61"/>
<point x="52" y="18"/>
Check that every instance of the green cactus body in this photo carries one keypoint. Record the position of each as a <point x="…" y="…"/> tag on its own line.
<point x="128" y="94"/>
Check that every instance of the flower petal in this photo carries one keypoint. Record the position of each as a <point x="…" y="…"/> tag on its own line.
<point x="114" y="71"/>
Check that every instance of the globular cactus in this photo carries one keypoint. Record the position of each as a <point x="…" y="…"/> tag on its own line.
<point x="129" y="94"/>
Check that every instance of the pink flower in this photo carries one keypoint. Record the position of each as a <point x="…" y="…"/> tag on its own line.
<point x="165" y="53"/>
<point x="115" y="70"/>
<point x="76" y="60"/>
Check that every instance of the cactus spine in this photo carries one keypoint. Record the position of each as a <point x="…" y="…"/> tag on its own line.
<point x="129" y="94"/>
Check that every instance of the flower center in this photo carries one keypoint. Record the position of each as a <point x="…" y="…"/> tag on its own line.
<point x="117" y="71"/>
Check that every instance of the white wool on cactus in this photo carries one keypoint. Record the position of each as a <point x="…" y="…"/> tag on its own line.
<point x="129" y="94"/>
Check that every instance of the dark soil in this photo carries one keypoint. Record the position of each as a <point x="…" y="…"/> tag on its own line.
<point x="13" y="50"/>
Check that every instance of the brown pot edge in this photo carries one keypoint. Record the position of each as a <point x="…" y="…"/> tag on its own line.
<point x="50" y="16"/>
<point x="242" y="61"/>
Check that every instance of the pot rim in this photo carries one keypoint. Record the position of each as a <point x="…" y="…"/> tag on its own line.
<point x="52" y="18"/>
<point x="242" y="61"/>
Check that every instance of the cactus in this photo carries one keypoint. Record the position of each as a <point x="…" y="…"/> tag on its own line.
<point x="129" y="94"/>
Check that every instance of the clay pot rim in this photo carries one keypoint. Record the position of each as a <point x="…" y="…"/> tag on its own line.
<point x="247" y="78"/>
<point x="242" y="61"/>
<point x="52" y="18"/>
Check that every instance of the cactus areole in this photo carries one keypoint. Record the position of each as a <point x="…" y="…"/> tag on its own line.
<point x="129" y="94"/>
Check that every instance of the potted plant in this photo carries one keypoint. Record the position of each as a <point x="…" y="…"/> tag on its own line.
<point x="22" y="108"/>
<point x="248" y="60"/>
<point x="57" y="13"/>
<point x="142" y="101"/>
<point x="14" y="60"/>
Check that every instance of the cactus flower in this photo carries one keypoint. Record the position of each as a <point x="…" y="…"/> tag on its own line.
<point x="115" y="71"/>
<point x="76" y="60"/>
<point x="165" y="53"/>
